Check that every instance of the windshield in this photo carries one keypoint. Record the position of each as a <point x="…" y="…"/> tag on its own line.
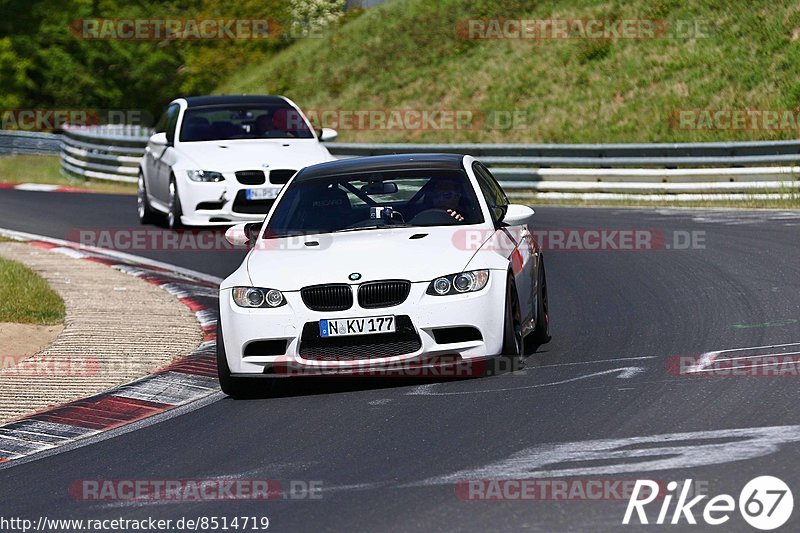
<point x="375" y="200"/>
<point x="221" y="123"/>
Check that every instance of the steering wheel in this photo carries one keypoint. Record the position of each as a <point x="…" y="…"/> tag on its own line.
<point x="432" y="216"/>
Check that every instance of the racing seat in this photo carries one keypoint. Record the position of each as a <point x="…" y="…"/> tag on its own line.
<point x="327" y="207"/>
<point x="197" y="129"/>
<point x="224" y="130"/>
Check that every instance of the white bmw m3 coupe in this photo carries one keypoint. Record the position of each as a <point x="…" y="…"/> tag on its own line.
<point x="379" y="261"/>
<point x="221" y="160"/>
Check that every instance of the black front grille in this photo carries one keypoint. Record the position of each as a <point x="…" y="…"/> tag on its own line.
<point x="403" y="341"/>
<point x="251" y="177"/>
<point x="280" y="176"/>
<point x="376" y="294"/>
<point x="252" y="207"/>
<point x="334" y="297"/>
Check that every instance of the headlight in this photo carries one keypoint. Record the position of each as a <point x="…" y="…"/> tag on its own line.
<point x="462" y="282"/>
<point x="204" y="175"/>
<point x="256" y="297"/>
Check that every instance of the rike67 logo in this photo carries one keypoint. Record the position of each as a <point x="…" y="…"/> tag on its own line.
<point x="765" y="503"/>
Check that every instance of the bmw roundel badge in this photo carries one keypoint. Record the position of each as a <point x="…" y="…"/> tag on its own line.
<point x="355" y="276"/>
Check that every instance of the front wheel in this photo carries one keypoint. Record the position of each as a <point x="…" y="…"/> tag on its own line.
<point x="174" y="213"/>
<point x="512" y="324"/>
<point x="541" y="334"/>
<point x="145" y="212"/>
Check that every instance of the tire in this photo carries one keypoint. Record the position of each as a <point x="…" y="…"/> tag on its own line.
<point x="512" y="324"/>
<point x="143" y="209"/>
<point x="541" y="333"/>
<point x="174" y="213"/>
<point x="232" y="386"/>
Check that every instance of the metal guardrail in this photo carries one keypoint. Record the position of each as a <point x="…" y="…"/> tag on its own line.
<point x="603" y="168"/>
<point x="26" y="142"/>
<point x="103" y="152"/>
<point x="113" y="153"/>
<point x="601" y="155"/>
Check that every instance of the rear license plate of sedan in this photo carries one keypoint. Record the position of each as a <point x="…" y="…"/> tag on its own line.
<point x="261" y="194"/>
<point x="341" y="327"/>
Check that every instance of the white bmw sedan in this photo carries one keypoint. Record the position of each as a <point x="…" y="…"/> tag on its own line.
<point x="376" y="262"/>
<point x="221" y="160"/>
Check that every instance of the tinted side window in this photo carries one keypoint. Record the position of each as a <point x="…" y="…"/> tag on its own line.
<point x="161" y="125"/>
<point x="495" y="197"/>
<point x="172" y="121"/>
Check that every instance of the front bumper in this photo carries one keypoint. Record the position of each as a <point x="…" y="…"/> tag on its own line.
<point x="223" y="203"/>
<point x="482" y="310"/>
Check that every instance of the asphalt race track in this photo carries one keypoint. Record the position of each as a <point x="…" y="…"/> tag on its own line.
<point x="388" y="454"/>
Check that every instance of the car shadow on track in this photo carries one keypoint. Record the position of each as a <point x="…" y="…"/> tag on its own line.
<point x="287" y="387"/>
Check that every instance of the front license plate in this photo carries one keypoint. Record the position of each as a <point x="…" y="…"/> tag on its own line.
<point x="261" y="194"/>
<point x="341" y="327"/>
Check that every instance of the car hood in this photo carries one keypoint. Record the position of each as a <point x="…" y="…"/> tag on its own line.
<point x="228" y="156"/>
<point x="288" y="264"/>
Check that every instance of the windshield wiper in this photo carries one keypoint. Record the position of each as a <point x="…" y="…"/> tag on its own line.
<point x="373" y="226"/>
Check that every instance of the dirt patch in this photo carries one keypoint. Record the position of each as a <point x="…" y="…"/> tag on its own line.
<point x="19" y="341"/>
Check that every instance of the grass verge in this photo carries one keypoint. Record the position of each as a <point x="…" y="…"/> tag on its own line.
<point x="632" y="202"/>
<point x="46" y="169"/>
<point x="413" y="55"/>
<point x="26" y="298"/>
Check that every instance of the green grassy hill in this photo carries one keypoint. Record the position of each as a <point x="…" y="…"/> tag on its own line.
<point x="407" y="54"/>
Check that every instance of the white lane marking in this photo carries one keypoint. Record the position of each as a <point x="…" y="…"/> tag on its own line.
<point x="71" y="252"/>
<point x="747" y="367"/>
<point x="708" y="358"/>
<point x="381" y="401"/>
<point x="633" y="454"/>
<point x="757" y="356"/>
<point x="169" y="388"/>
<point x="113" y="253"/>
<point x="42" y="187"/>
<point x="626" y="372"/>
<point x="537" y="367"/>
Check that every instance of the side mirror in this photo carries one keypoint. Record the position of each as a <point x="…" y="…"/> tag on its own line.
<point x="243" y="234"/>
<point x="517" y="215"/>
<point x="159" y="138"/>
<point x="236" y="235"/>
<point x="328" y="134"/>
